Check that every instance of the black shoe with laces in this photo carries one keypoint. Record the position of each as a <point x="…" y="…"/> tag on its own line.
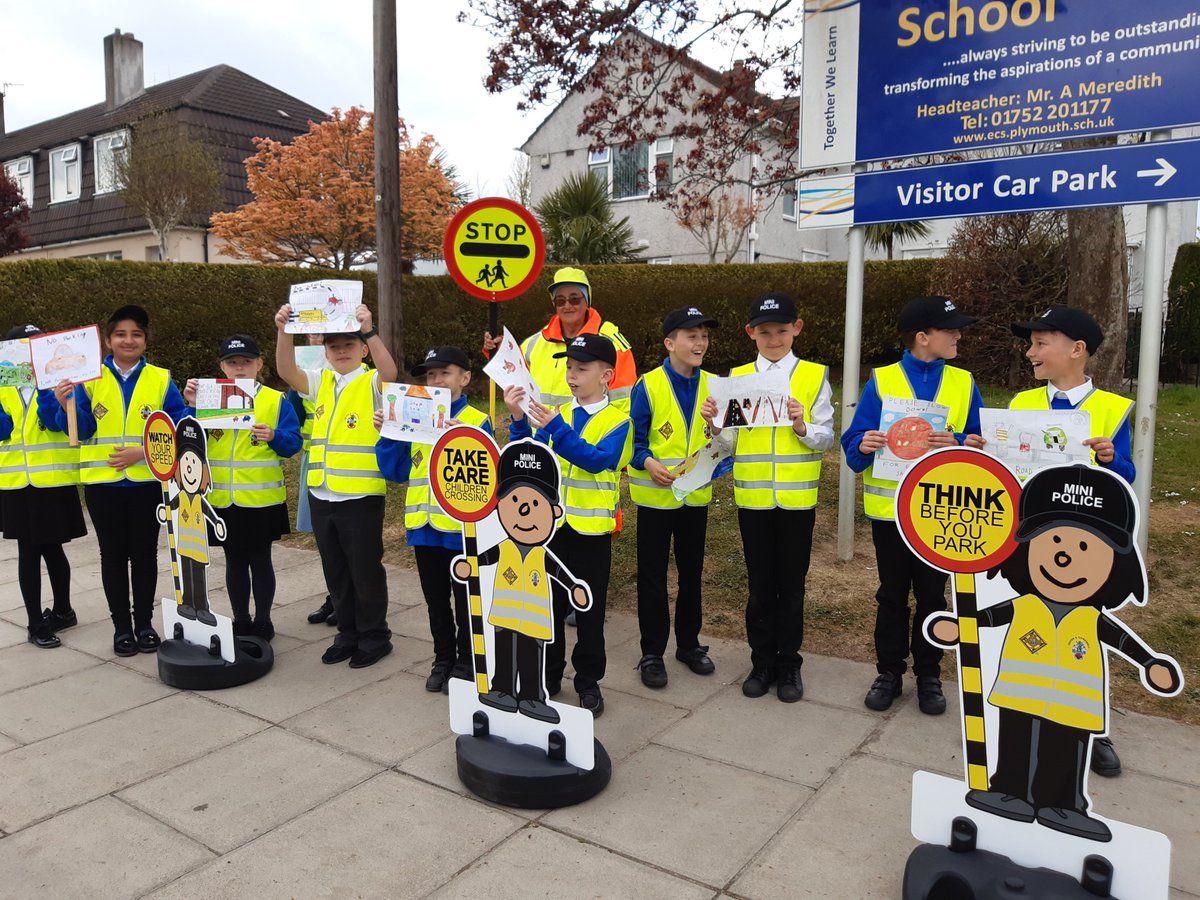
<point x="886" y="688"/>
<point x="791" y="686"/>
<point x="654" y="673"/>
<point x="758" y="682"/>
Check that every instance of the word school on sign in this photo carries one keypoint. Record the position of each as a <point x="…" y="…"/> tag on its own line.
<point x="919" y="194"/>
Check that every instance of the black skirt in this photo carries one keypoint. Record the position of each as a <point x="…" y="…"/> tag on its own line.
<point x="51" y="515"/>
<point x="251" y="526"/>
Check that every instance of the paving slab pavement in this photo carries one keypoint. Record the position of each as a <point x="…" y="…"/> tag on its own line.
<point x="324" y="781"/>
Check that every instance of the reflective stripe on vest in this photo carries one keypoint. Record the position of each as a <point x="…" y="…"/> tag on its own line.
<point x="671" y="441"/>
<point x="1107" y="410"/>
<point x="419" y="506"/>
<point x="772" y="467"/>
<point x="342" y="453"/>
<point x="1053" y="671"/>
<point x="521" y="595"/>
<point x="191" y="532"/>
<point x="879" y="494"/>
<point x="590" y="500"/>
<point x="246" y="473"/>
<point x="33" y="454"/>
<point x="117" y="426"/>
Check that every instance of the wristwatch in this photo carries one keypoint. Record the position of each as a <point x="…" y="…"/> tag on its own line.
<point x="367" y="335"/>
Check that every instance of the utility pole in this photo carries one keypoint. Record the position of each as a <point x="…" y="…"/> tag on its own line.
<point x="387" y="180"/>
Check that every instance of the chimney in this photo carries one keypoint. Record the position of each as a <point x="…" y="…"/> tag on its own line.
<point x="123" y="78"/>
<point x="2" y="113"/>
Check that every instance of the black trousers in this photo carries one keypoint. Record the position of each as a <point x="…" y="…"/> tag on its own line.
<point x="901" y="570"/>
<point x="519" y="663"/>
<point x="777" y="544"/>
<point x="687" y="527"/>
<point x="1041" y="761"/>
<point x="589" y="558"/>
<point x="127" y="528"/>
<point x="194" y="576"/>
<point x="451" y="642"/>
<point x="349" y="535"/>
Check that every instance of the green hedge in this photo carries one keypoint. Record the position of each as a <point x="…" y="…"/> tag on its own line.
<point x="1182" y="341"/>
<point x="192" y="306"/>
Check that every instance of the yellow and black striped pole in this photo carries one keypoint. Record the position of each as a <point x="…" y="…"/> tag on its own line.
<point x="475" y="597"/>
<point x="971" y="680"/>
<point x="175" y="580"/>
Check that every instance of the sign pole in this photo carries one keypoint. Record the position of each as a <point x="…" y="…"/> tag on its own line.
<point x="1149" y="357"/>
<point x="475" y="599"/>
<point x="494" y="331"/>
<point x="851" y="363"/>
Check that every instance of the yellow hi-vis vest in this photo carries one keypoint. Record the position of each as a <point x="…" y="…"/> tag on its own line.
<point x="342" y="454"/>
<point x="245" y="473"/>
<point x="590" y="499"/>
<point x="1108" y="410"/>
<point x="671" y="441"/>
<point x="1055" y="672"/>
<point x="191" y="533"/>
<point x="306" y="426"/>
<point x="771" y="466"/>
<point x="879" y="494"/>
<point x="33" y="454"/>
<point x="521" y="595"/>
<point x="419" y="506"/>
<point x="118" y="427"/>
<point x="550" y="374"/>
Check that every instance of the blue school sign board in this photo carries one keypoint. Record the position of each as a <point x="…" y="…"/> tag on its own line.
<point x="1159" y="172"/>
<point x="887" y="79"/>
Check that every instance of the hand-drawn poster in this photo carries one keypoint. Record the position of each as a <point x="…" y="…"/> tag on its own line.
<point x="698" y="469"/>
<point x="324" y="307"/>
<point x="908" y="425"/>
<point x="756" y="400"/>
<point x="414" y="412"/>
<point x="1028" y="440"/>
<point x="226" y="402"/>
<point x="508" y="367"/>
<point x="72" y="355"/>
<point x="16" y="367"/>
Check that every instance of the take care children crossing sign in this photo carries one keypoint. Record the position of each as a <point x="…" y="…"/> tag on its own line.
<point x="494" y="249"/>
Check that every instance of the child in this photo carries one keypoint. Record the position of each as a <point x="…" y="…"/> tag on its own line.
<point x="775" y="476"/>
<point x="668" y="428"/>
<point x="436" y="538"/>
<point x="39" y="504"/>
<point x="346" y="491"/>
<point x="1060" y="344"/>
<point x="248" y="492"/>
<point x="930" y="328"/>
<point x="593" y="440"/>
<point x="121" y="493"/>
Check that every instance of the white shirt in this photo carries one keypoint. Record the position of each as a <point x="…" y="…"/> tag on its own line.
<point x="819" y="419"/>
<point x="323" y="492"/>
<point x="591" y="408"/>
<point x="1075" y="395"/>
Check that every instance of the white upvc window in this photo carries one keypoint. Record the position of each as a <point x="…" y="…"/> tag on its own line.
<point x="629" y="172"/>
<point x="21" y="172"/>
<point x="789" y="201"/>
<point x="109" y="149"/>
<point x="64" y="173"/>
<point x="664" y="159"/>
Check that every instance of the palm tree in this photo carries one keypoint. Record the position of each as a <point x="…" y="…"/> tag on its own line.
<point x="577" y="221"/>
<point x="886" y="236"/>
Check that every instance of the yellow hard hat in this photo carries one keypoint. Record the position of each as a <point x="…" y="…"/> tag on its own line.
<point x="571" y="275"/>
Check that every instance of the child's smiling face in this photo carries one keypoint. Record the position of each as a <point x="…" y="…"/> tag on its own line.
<point x="1069" y="564"/>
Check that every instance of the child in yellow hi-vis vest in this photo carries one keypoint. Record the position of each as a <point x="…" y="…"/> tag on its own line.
<point x="248" y="488"/>
<point x="593" y="440"/>
<point x="436" y="538"/>
<point x="522" y="613"/>
<point x="776" y="472"/>
<point x="346" y="489"/>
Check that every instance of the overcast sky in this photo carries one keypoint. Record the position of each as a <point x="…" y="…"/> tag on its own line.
<point x="320" y="52"/>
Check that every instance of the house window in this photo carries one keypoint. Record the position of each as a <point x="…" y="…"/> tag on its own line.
<point x="664" y="149"/>
<point x="598" y="164"/>
<point x="110" y="149"/>
<point x="21" y="172"/>
<point x="629" y="172"/>
<point x="789" y="201"/>
<point x="64" y="173"/>
<point x="659" y="261"/>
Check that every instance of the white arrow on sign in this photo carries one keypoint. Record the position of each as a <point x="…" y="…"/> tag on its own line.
<point x="1165" y="171"/>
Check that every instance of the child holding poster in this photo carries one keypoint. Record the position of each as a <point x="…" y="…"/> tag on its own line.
<point x="39" y="504"/>
<point x="776" y="471"/>
<point x="667" y="429"/>
<point x="247" y="491"/>
<point x="346" y="489"/>
<point x="436" y="539"/>
<point x="121" y="494"/>
<point x="594" y="441"/>
<point x="1061" y="341"/>
<point x="930" y="328"/>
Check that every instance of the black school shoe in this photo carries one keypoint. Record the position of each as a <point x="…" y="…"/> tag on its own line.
<point x="263" y="628"/>
<point x="439" y="677"/>
<point x="148" y="641"/>
<point x="593" y="701"/>
<point x="758" y="682"/>
<point x="363" y="658"/>
<point x="930" y="698"/>
<point x="1105" y="761"/>
<point x="336" y="654"/>
<point x="697" y="660"/>
<point x="322" y="614"/>
<point x="885" y="689"/>
<point x="58" y="621"/>
<point x="791" y="686"/>
<point x="654" y="673"/>
<point x="125" y="645"/>
<point x="42" y="635"/>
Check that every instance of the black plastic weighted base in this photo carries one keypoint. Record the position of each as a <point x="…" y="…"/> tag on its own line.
<point x="961" y="872"/>
<point x="527" y="777"/>
<point x="196" y="668"/>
